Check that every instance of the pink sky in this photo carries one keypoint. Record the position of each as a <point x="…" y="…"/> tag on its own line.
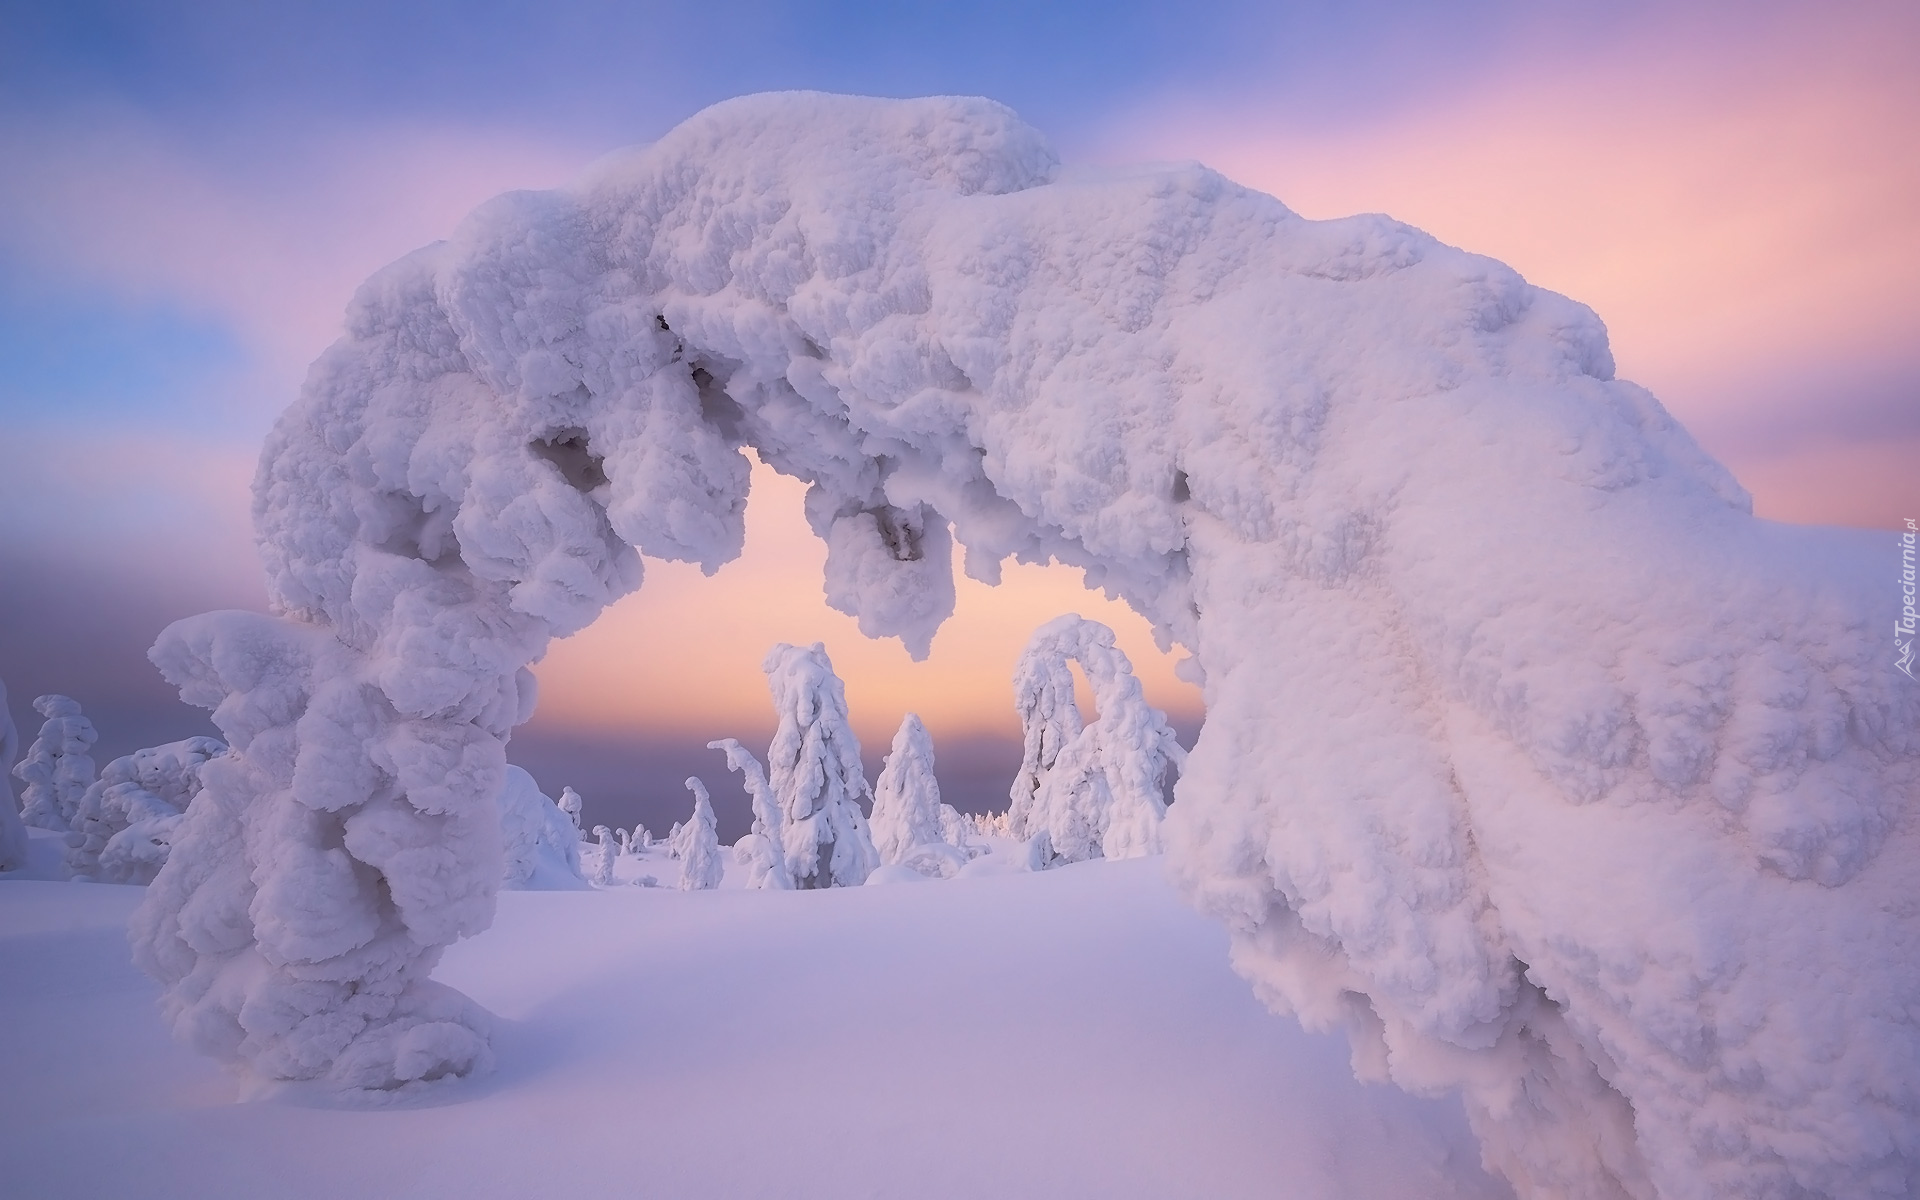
<point x="1737" y="208"/>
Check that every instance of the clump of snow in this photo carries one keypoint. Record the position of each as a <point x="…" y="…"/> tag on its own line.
<point x="814" y="771"/>
<point x="698" y="845"/>
<point x="542" y="845"/>
<point x="57" y="769"/>
<point x="1093" y="791"/>
<point x="1532" y="760"/>
<point x="763" y="850"/>
<point x="124" y="824"/>
<point x="13" y="831"/>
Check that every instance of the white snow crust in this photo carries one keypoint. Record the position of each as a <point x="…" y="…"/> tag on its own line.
<point x="1532" y="760"/>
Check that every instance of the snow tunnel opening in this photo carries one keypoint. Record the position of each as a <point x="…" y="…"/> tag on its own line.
<point x="628" y="704"/>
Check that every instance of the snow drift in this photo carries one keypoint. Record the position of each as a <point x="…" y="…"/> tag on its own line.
<point x="1531" y="759"/>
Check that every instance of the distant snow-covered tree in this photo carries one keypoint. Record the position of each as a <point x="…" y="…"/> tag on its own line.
<point x="699" y="844"/>
<point x="571" y="804"/>
<point x="124" y="824"/>
<point x="906" y="803"/>
<point x="13" y="831"/>
<point x="762" y="851"/>
<point x="542" y="845"/>
<point x="57" y="770"/>
<point x="604" y="857"/>
<point x="815" y="772"/>
<point x="1093" y="791"/>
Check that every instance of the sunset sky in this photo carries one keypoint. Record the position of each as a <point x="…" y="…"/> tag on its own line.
<point x="191" y="193"/>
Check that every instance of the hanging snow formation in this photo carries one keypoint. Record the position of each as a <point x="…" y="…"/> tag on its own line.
<point x="1092" y="792"/>
<point x="1531" y="759"/>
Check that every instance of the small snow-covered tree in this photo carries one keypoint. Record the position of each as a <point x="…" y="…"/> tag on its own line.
<point x="13" y="831"/>
<point x="1094" y="791"/>
<point x="815" y="773"/>
<point x="763" y="850"/>
<point x="604" y="857"/>
<point x="123" y="826"/>
<point x="907" y="826"/>
<point x="57" y="770"/>
<point x="699" y="844"/>
<point x="571" y="804"/>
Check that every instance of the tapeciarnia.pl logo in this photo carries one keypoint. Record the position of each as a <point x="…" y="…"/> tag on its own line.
<point x="1903" y="628"/>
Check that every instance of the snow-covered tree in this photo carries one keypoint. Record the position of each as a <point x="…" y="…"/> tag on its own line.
<point x="604" y="856"/>
<point x="124" y="824"/>
<point x="571" y="804"/>
<point x="815" y="773"/>
<point x="1049" y="722"/>
<point x="542" y="844"/>
<point x="13" y="831"/>
<point x="763" y="850"/>
<point x="906" y="797"/>
<point x="57" y="770"/>
<point x="1097" y="791"/>
<point x="699" y="844"/>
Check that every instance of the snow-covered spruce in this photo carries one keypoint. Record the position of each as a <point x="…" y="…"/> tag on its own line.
<point x="1092" y="792"/>
<point x="13" y="831"/>
<point x="906" y="822"/>
<point x="57" y="769"/>
<point x="698" y="844"/>
<point x="763" y="850"/>
<point x="570" y="804"/>
<point x="1499" y="668"/>
<point x="814" y="771"/>
<point x="123" y="826"/>
<point x="542" y="846"/>
<point x="606" y="853"/>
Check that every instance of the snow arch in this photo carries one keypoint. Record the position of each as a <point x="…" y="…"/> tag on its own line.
<point x="1531" y="758"/>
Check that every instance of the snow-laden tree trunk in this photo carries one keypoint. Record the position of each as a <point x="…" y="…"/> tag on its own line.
<point x="124" y="824"/>
<point x="13" y="831"/>
<point x="763" y="849"/>
<point x="57" y="769"/>
<point x="698" y="844"/>
<point x="1097" y="791"/>
<point x="815" y="773"/>
<point x="906" y="797"/>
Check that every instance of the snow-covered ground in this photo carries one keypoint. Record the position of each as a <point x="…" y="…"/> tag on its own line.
<point x="1072" y="1033"/>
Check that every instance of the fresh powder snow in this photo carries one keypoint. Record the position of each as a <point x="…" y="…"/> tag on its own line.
<point x="1533" y="762"/>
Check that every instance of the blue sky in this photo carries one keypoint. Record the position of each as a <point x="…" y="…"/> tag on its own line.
<point x="195" y="189"/>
